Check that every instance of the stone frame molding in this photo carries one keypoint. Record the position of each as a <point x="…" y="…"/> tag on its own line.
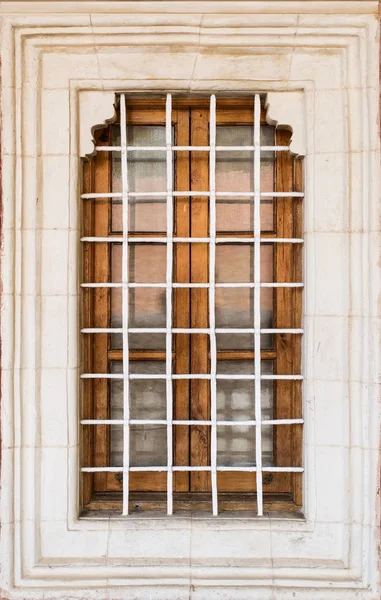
<point x="60" y="70"/>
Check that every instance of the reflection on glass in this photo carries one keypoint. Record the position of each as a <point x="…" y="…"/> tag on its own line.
<point x="148" y="445"/>
<point x="147" y="401"/>
<point x="235" y="306"/>
<point x="147" y="264"/>
<point x="236" y="446"/>
<point x="235" y="172"/>
<point x="147" y="172"/>
<point x="116" y="445"/>
<point x="236" y="399"/>
<point x="147" y="396"/>
<point x="236" y="402"/>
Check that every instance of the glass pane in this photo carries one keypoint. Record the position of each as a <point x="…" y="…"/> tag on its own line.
<point x="147" y="396"/>
<point x="236" y="446"/>
<point x="235" y="172"/>
<point x="147" y="172"/>
<point x="236" y="399"/>
<point x="148" y="445"/>
<point x="147" y="264"/>
<point x="235" y="306"/>
<point x="116" y="445"/>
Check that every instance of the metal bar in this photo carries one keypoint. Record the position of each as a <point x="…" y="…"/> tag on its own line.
<point x="189" y="148"/>
<point x="185" y="330"/>
<point x="212" y="312"/>
<point x="257" y="300"/>
<point x="219" y="240"/>
<point x="193" y="285"/>
<point x="125" y="310"/>
<point x="185" y="468"/>
<point x="189" y="422"/>
<point x="95" y="195"/>
<point x="187" y="376"/>
<point x="168" y="343"/>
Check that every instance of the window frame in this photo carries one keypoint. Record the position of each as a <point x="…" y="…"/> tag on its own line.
<point x="283" y="491"/>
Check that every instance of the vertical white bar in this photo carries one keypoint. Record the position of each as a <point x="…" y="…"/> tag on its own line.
<point x="126" y="404"/>
<point x="257" y="298"/>
<point x="212" y="315"/>
<point x="168" y="345"/>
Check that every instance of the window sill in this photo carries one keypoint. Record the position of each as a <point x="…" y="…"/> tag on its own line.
<point x="197" y="506"/>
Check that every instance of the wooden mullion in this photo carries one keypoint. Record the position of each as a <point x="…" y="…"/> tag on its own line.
<point x="284" y="343"/>
<point x="87" y="384"/>
<point x="200" y="389"/>
<point x="100" y="309"/>
<point x="181" y="317"/>
<point x="297" y="437"/>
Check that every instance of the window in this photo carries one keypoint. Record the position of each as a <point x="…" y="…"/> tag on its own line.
<point x="192" y="303"/>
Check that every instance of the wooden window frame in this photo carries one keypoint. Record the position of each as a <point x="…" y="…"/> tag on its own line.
<point x="282" y="491"/>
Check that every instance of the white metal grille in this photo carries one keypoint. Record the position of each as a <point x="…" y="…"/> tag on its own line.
<point x="212" y="330"/>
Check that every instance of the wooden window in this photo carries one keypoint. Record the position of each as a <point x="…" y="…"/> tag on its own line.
<point x="280" y="308"/>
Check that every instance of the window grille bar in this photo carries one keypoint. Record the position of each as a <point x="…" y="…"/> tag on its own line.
<point x="95" y="195"/>
<point x="189" y="469"/>
<point x="257" y="299"/>
<point x="206" y="240"/>
<point x="189" y="422"/>
<point x="186" y="376"/>
<point x="212" y="311"/>
<point x="168" y="343"/>
<point x="185" y="330"/>
<point x="189" y="148"/>
<point x="193" y="285"/>
<point x="125" y="309"/>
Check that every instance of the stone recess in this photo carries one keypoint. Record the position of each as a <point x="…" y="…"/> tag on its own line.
<point x="61" y="66"/>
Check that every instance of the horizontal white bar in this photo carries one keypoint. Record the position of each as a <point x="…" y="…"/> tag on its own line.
<point x="293" y="331"/>
<point x="192" y="285"/>
<point x="283" y="469"/>
<point x="189" y="422"/>
<point x="190" y="148"/>
<point x="185" y="330"/>
<point x="188" y="376"/>
<point x="102" y="376"/>
<point x="282" y="377"/>
<point x="102" y="469"/>
<point x="153" y="469"/>
<point x="222" y="240"/>
<point x="187" y="469"/>
<point x="101" y="285"/>
<point x="232" y="194"/>
<point x="94" y="195"/>
<point x="246" y="469"/>
<point x="248" y="330"/>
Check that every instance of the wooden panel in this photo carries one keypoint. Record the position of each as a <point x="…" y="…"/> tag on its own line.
<point x="297" y="438"/>
<point x="189" y="502"/>
<point x="87" y="384"/>
<point x="182" y="303"/>
<point x="200" y="435"/>
<point x="100" y="313"/>
<point x="284" y="347"/>
<point x="139" y="482"/>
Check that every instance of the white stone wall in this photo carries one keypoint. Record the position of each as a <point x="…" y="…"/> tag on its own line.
<point x="61" y="65"/>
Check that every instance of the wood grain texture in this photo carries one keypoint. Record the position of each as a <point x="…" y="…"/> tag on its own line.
<point x="200" y="389"/>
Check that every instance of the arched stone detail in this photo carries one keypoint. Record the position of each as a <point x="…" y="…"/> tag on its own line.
<point x="286" y="109"/>
<point x="96" y="110"/>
